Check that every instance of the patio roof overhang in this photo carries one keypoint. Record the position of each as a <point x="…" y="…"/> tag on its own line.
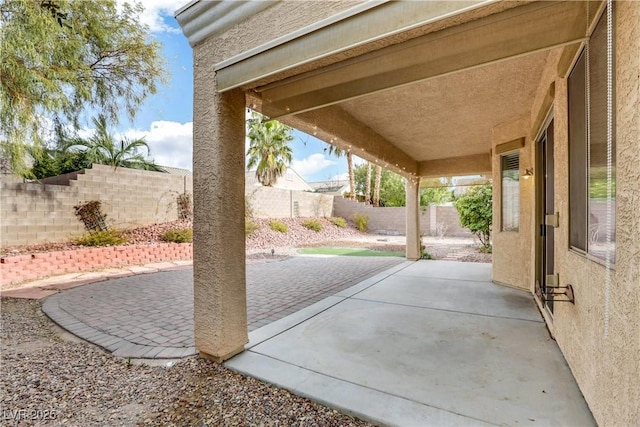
<point x="416" y="86"/>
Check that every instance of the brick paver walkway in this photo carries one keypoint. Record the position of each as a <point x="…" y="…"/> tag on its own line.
<point x="151" y="315"/>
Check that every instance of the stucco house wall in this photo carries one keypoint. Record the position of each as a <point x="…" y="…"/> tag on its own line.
<point x="512" y="252"/>
<point x="601" y="341"/>
<point x="291" y="180"/>
<point x="599" y="335"/>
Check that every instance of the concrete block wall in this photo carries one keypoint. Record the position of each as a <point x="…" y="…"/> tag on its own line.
<point x="393" y="220"/>
<point x="448" y="216"/>
<point x="43" y="212"/>
<point x="270" y="202"/>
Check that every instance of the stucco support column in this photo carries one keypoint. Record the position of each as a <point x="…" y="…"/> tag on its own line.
<point x="220" y="307"/>
<point x="413" y="219"/>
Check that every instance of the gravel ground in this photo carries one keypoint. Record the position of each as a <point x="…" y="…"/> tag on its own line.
<point x="263" y="238"/>
<point x="50" y="381"/>
<point x="78" y="384"/>
<point x="261" y="241"/>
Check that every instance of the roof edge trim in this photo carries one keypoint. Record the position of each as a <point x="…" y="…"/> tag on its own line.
<point x="201" y="19"/>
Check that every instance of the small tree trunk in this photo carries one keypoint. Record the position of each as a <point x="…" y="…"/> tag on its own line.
<point x="352" y="181"/>
<point x="376" y="187"/>
<point x="367" y="190"/>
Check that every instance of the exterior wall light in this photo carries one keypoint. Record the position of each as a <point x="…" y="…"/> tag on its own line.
<point x="528" y="173"/>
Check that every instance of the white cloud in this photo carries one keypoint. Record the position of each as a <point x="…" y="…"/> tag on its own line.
<point x="156" y="11"/>
<point x="311" y="165"/>
<point x="171" y="143"/>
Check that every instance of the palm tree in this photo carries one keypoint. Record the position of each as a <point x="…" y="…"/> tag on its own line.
<point x="332" y="149"/>
<point x="269" y="149"/>
<point x="102" y="148"/>
<point x="367" y="189"/>
<point x="376" y="186"/>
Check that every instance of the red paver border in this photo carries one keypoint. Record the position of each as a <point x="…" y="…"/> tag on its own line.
<point x="23" y="268"/>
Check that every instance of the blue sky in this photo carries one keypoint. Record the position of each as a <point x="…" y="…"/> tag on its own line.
<point x="166" y="118"/>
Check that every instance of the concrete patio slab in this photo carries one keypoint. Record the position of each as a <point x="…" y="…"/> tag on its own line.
<point x="449" y="357"/>
<point x="454" y="295"/>
<point x="451" y="270"/>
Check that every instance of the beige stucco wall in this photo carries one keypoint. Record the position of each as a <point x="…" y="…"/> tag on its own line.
<point x="607" y="367"/>
<point x="268" y="25"/>
<point x="512" y="250"/>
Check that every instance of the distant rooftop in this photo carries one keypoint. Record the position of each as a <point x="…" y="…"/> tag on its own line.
<point x="177" y="171"/>
<point x="329" y="186"/>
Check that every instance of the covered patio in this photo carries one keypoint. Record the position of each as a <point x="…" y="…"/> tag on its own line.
<point x="423" y="343"/>
<point x="546" y="91"/>
<point x="425" y="89"/>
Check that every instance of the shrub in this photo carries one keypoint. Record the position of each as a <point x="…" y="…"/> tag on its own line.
<point x="475" y="209"/>
<point x="278" y="226"/>
<point x="486" y="249"/>
<point x="184" y="235"/>
<point x="250" y="227"/>
<point x="361" y="220"/>
<point x="185" y="207"/>
<point x="312" y="224"/>
<point x="91" y="215"/>
<point x="338" y="222"/>
<point x="426" y="255"/>
<point x="101" y="238"/>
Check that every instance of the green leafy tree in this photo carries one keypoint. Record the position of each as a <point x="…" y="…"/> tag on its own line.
<point x="390" y="189"/>
<point x="64" y="58"/>
<point x="476" y="213"/>
<point x="333" y="150"/>
<point x="376" y="186"/>
<point x="53" y="162"/>
<point x="269" y="151"/>
<point x="437" y="195"/>
<point x="367" y="186"/>
<point x="102" y="148"/>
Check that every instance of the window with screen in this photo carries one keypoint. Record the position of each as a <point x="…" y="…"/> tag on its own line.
<point x="510" y="171"/>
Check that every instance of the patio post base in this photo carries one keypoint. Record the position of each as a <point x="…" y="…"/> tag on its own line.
<point x="220" y="359"/>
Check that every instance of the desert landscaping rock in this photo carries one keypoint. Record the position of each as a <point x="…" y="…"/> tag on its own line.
<point x="81" y="385"/>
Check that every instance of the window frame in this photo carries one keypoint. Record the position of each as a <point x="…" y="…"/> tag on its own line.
<point x="503" y="156"/>
<point x="585" y="169"/>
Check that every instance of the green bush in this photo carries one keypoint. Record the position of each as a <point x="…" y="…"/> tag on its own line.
<point x="475" y="208"/>
<point x="426" y="255"/>
<point x="338" y="222"/>
<point x="278" y="226"/>
<point x="362" y="221"/>
<point x="250" y="227"/>
<point x="184" y="235"/>
<point x="312" y="224"/>
<point x="101" y="238"/>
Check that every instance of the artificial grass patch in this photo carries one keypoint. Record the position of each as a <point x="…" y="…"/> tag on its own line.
<point x="347" y="252"/>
